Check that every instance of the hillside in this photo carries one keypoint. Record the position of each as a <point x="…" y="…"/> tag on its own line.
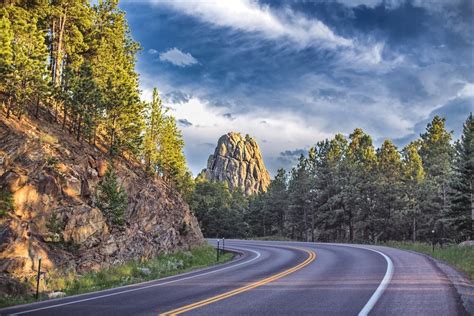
<point x="52" y="181"/>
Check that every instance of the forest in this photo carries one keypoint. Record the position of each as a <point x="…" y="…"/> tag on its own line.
<point x="346" y="190"/>
<point x="74" y="63"/>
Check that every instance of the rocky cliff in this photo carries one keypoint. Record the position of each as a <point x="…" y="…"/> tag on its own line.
<point x="237" y="160"/>
<point x="51" y="180"/>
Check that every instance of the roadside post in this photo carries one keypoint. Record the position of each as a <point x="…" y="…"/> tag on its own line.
<point x="223" y="245"/>
<point x="217" y="250"/>
<point x="433" y="240"/>
<point x="38" y="277"/>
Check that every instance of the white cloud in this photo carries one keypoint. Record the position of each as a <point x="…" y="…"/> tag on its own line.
<point x="274" y="131"/>
<point x="466" y="91"/>
<point x="152" y="51"/>
<point x="178" y="58"/>
<point x="250" y="16"/>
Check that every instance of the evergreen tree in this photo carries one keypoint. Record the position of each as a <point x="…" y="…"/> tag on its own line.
<point x="276" y="203"/>
<point x="220" y="213"/>
<point x="387" y="192"/>
<point x="23" y="69"/>
<point x="413" y="176"/>
<point x="153" y="130"/>
<point x="300" y="203"/>
<point x="112" y="199"/>
<point x="117" y="81"/>
<point x="461" y="213"/>
<point x="358" y="193"/>
<point x="436" y="153"/>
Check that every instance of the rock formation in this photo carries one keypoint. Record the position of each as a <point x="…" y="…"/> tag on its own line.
<point x="237" y="161"/>
<point x="45" y="172"/>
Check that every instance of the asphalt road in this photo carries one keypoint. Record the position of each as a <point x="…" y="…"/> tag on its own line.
<point x="281" y="278"/>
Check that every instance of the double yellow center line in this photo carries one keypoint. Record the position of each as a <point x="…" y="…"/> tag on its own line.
<point x="187" y="308"/>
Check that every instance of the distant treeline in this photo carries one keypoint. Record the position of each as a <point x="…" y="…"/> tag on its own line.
<point x="77" y="61"/>
<point x="346" y="190"/>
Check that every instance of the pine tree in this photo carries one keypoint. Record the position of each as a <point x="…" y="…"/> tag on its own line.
<point x="299" y="197"/>
<point x="461" y="213"/>
<point x="117" y="81"/>
<point x="153" y="130"/>
<point x="387" y="192"/>
<point x="23" y="69"/>
<point x="437" y="153"/>
<point x="413" y="176"/>
<point x="112" y="199"/>
<point x="276" y="202"/>
<point x="358" y="193"/>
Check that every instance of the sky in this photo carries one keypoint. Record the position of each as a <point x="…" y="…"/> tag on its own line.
<point x="291" y="73"/>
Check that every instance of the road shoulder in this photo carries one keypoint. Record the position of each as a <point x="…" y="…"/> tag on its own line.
<point x="463" y="285"/>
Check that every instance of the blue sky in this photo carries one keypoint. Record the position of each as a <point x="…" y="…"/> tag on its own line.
<point x="290" y="73"/>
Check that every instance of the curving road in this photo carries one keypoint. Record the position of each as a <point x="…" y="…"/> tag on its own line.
<point x="281" y="278"/>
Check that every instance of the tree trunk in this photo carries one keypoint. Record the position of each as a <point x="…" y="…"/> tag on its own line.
<point x="37" y="107"/>
<point x="64" y="115"/>
<point x="59" y="51"/>
<point x="9" y="106"/>
<point x="79" y="126"/>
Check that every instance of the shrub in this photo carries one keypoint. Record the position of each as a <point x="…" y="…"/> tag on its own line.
<point x="6" y="202"/>
<point x="112" y="199"/>
<point x="55" y="226"/>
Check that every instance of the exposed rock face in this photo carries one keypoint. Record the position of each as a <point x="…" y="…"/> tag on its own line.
<point x="237" y="160"/>
<point x="57" y="175"/>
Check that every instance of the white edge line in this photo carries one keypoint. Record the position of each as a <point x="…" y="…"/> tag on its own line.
<point x="383" y="284"/>
<point x="145" y="287"/>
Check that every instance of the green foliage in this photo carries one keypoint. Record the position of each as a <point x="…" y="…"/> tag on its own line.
<point x="79" y="58"/>
<point x="163" y="147"/>
<point x="112" y="199"/>
<point x="23" y="69"/>
<point x="345" y="190"/>
<point x="462" y="185"/>
<point x="54" y="224"/>
<point x="6" y="202"/>
<point x="220" y="213"/>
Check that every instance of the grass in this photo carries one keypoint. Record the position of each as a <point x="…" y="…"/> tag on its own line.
<point x="460" y="257"/>
<point x="127" y="273"/>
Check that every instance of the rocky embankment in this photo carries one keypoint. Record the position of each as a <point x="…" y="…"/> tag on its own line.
<point x="238" y="161"/>
<point x="51" y="180"/>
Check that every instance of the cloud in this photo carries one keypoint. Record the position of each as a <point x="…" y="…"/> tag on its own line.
<point x="283" y="130"/>
<point x="178" y="58"/>
<point x="185" y="123"/>
<point x="251" y="16"/>
<point x="152" y="51"/>
<point x="177" y="96"/>
<point x="228" y="116"/>
<point x="289" y="157"/>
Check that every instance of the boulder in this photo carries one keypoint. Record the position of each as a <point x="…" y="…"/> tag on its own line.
<point x="238" y="161"/>
<point x="101" y="167"/>
<point x="467" y="243"/>
<point x="57" y="294"/>
<point x="13" y="181"/>
<point x="73" y="187"/>
<point x="48" y="185"/>
<point x="144" y="271"/>
<point x="83" y="224"/>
